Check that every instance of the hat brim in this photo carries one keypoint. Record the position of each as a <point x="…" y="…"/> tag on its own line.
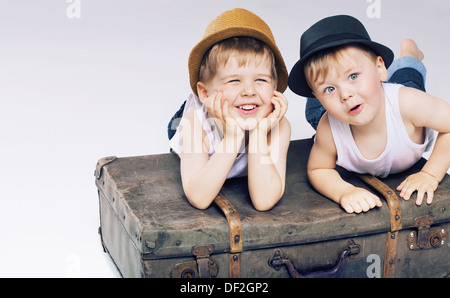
<point x="197" y="53"/>
<point x="297" y="79"/>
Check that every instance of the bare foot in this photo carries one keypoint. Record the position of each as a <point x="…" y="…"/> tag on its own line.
<point x="410" y="48"/>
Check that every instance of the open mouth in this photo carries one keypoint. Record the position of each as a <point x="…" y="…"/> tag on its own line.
<point x="248" y="108"/>
<point x="356" y="109"/>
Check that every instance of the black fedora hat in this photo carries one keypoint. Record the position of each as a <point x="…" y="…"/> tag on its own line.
<point x="331" y="32"/>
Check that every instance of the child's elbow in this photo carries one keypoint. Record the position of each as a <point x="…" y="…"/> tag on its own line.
<point x="201" y="206"/>
<point x="198" y="201"/>
<point x="263" y="208"/>
<point x="265" y="204"/>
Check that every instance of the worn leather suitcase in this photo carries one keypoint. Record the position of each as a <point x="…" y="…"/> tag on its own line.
<point x="150" y="230"/>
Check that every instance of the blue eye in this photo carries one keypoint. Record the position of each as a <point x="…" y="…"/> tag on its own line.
<point x="352" y="77"/>
<point x="329" y="89"/>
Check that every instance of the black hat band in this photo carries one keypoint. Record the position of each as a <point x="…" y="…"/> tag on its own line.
<point x="331" y="38"/>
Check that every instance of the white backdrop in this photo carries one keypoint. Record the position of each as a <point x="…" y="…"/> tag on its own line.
<point x="84" y="79"/>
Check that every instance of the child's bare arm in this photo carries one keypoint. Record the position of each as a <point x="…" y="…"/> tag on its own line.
<point x="326" y="180"/>
<point x="202" y="177"/>
<point x="268" y="146"/>
<point x="267" y="167"/>
<point x="420" y="109"/>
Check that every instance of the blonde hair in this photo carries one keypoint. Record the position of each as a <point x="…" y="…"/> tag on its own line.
<point x="319" y="65"/>
<point x="247" y="47"/>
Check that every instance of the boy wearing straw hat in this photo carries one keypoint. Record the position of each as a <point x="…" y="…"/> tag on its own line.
<point x="234" y="125"/>
<point x="370" y="126"/>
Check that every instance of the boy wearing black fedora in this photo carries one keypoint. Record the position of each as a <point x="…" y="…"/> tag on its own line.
<point x="370" y="126"/>
<point x="233" y="124"/>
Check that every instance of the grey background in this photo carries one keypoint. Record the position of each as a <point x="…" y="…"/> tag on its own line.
<point x="73" y="90"/>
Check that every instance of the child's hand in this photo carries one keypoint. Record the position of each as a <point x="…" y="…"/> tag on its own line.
<point x="280" y="104"/>
<point x="421" y="182"/>
<point x="358" y="200"/>
<point x="213" y="105"/>
<point x="220" y="113"/>
<point x="232" y="128"/>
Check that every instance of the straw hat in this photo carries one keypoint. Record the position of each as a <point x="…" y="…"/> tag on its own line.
<point x="233" y="23"/>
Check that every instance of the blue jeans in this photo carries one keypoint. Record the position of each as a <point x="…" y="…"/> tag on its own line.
<point x="407" y="71"/>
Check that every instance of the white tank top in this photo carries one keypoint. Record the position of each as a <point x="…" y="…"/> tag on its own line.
<point x="400" y="152"/>
<point x="240" y="166"/>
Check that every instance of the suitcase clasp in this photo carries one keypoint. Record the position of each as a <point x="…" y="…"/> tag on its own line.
<point x="202" y="253"/>
<point x="426" y="236"/>
<point x="202" y="267"/>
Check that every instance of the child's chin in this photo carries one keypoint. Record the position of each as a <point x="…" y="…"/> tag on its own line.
<point x="247" y="124"/>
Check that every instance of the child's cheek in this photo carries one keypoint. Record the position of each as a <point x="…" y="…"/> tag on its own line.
<point x="270" y="109"/>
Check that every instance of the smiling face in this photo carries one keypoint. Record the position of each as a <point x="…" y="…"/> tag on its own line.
<point x="350" y="85"/>
<point x="246" y="82"/>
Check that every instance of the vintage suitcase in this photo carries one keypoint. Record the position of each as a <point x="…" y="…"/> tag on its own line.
<point x="150" y="230"/>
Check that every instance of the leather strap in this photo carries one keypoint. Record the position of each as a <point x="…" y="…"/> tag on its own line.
<point x="235" y="227"/>
<point x="390" y="197"/>
<point x="396" y="222"/>
<point x="389" y="254"/>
